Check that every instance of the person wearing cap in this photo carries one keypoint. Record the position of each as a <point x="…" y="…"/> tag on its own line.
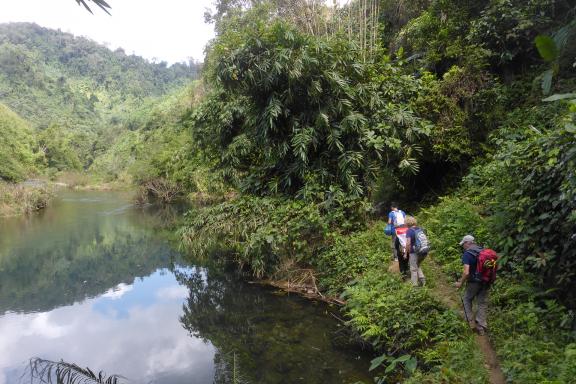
<point x="475" y="289"/>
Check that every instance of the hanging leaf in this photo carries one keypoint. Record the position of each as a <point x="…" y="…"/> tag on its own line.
<point x="547" y="48"/>
<point x="547" y="81"/>
<point x="560" y="96"/>
<point x="100" y="3"/>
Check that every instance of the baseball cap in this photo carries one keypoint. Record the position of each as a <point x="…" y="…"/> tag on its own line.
<point x="467" y="239"/>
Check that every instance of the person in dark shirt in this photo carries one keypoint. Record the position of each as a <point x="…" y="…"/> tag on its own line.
<point x="475" y="289"/>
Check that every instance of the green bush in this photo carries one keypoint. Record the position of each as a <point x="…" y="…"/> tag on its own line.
<point x="288" y="109"/>
<point x="446" y="223"/>
<point x="350" y="256"/>
<point x="399" y="319"/>
<point x="395" y="317"/>
<point x="261" y="233"/>
<point x="519" y="307"/>
<point x="535" y="207"/>
<point x="18" y="199"/>
<point x="529" y="351"/>
<point x="265" y="233"/>
<point x="458" y="361"/>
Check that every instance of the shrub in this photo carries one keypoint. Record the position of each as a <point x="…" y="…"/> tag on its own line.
<point x="399" y="319"/>
<point x="19" y="199"/>
<point x="350" y="256"/>
<point x="17" y="158"/>
<point x="535" y="205"/>
<point x="288" y="109"/>
<point x="261" y="233"/>
<point x="446" y="224"/>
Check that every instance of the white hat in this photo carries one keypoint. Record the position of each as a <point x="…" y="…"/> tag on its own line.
<point x="467" y="239"/>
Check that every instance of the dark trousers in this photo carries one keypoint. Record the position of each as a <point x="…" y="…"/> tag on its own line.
<point x="478" y="292"/>
<point x="402" y="261"/>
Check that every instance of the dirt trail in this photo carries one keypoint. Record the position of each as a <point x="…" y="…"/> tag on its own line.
<point x="449" y="296"/>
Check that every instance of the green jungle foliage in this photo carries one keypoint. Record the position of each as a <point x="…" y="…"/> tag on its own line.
<point x="310" y="112"/>
<point x="287" y="110"/>
<point x="519" y="304"/>
<point x="447" y="101"/>
<point x="158" y="146"/>
<point x="18" y="150"/>
<point x="268" y="235"/>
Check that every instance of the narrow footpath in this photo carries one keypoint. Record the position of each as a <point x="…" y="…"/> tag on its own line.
<point x="449" y="296"/>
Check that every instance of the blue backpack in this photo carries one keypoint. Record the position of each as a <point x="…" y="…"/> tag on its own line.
<point x="422" y="245"/>
<point x="389" y="229"/>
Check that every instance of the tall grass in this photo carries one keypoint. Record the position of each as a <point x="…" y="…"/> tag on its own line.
<point x="18" y="199"/>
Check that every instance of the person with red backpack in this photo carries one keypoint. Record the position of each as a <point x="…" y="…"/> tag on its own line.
<point x="479" y="273"/>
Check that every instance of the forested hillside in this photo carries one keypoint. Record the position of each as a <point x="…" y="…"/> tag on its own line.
<point x="78" y="94"/>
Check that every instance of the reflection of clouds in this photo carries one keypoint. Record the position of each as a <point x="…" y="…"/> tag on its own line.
<point x="148" y="344"/>
<point x="118" y="291"/>
<point x="172" y="293"/>
<point x="42" y="327"/>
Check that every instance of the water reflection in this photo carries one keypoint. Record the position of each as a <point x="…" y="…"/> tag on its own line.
<point x="91" y="281"/>
<point x="74" y="250"/>
<point x="132" y="330"/>
<point x="264" y="338"/>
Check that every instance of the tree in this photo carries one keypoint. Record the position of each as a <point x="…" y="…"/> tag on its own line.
<point x="290" y="110"/>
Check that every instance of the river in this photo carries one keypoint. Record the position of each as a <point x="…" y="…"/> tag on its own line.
<point x="93" y="280"/>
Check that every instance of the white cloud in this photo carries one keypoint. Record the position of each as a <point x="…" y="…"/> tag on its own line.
<point x="150" y="343"/>
<point x="172" y="293"/>
<point x="170" y="30"/>
<point x="146" y="345"/>
<point x="118" y="291"/>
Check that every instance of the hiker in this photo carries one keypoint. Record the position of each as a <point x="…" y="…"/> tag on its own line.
<point x="475" y="287"/>
<point x="395" y="218"/>
<point x="400" y="249"/>
<point x="417" y="248"/>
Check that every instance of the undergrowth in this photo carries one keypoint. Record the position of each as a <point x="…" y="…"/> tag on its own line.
<point x="533" y="333"/>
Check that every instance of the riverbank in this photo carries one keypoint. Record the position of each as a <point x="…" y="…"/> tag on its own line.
<point x="20" y="199"/>
<point x="415" y="334"/>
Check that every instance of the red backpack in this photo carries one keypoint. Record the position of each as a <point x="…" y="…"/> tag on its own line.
<point x="487" y="266"/>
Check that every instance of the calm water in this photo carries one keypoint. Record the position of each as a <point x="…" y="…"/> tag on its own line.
<point x="93" y="281"/>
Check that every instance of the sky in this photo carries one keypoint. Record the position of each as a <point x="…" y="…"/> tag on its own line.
<point x="166" y="30"/>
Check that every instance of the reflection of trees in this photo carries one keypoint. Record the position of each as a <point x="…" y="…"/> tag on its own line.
<point x="274" y="340"/>
<point x="60" y="268"/>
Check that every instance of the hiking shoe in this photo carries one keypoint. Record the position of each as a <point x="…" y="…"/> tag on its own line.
<point x="481" y="330"/>
<point x="422" y="282"/>
<point x="472" y="325"/>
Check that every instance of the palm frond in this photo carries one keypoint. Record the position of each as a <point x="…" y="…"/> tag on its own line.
<point x="60" y="372"/>
<point x="100" y="3"/>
